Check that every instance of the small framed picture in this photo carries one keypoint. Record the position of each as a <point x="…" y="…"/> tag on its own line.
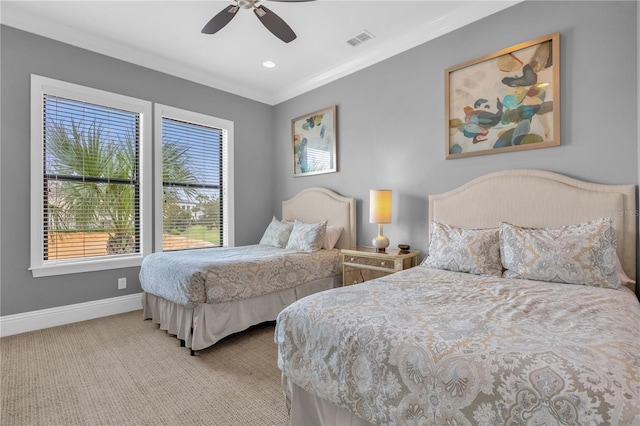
<point x="314" y="142"/>
<point x="505" y="101"/>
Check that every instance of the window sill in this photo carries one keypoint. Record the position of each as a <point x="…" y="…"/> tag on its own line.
<point x="75" y="267"/>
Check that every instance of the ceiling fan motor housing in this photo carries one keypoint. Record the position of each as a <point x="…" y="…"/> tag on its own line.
<point x="247" y="4"/>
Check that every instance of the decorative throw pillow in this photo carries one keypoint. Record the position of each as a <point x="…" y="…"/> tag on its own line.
<point x="306" y="236"/>
<point x="475" y="251"/>
<point x="331" y="236"/>
<point x="276" y="234"/>
<point x="583" y="253"/>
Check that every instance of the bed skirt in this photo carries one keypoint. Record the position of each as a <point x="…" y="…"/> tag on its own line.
<point x="212" y="322"/>
<point x="309" y="410"/>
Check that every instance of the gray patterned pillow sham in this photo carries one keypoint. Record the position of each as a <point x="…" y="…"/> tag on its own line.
<point x="307" y="236"/>
<point x="475" y="251"/>
<point x="583" y="253"/>
<point x="276" y="234"/>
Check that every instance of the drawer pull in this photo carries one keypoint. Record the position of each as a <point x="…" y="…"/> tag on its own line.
<point x="382" y="263"/>
<point x="352" y="259"/>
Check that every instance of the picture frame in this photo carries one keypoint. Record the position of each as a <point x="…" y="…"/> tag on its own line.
<point x="314" y="142"/>
<point x="505" y="101"/>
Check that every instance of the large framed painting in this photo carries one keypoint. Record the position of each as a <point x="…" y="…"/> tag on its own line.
<point x="506" y="101"/>
<point x="314" y="142"/>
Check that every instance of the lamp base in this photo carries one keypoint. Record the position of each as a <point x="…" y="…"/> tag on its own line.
<point x="380" y="243"/>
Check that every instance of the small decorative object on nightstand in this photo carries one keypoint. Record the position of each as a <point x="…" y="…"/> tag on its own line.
<point x="361" y="264"/>
<point x="404" y="248"/>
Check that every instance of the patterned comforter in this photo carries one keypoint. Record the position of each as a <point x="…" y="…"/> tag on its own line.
<point x="217" y="275"/>
<point x="432" y="347"/>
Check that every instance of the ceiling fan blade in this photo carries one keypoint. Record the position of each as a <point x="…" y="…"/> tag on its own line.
<point x="220" y="20"/>
<point x="275" y="24"/>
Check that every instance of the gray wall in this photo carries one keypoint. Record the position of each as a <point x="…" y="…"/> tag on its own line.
<point x="23" y="54"/>
<point x="390" y="130"/>
<point x="391" y="115"/>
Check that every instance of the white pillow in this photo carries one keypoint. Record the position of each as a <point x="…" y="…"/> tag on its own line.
<point x="307" y="236"/>
<point x="624" y="279"/>
<point x="276" y="234"/>
<point x="331" y="236"/>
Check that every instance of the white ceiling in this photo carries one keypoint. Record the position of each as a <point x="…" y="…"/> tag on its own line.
<point x="165" y="35"/>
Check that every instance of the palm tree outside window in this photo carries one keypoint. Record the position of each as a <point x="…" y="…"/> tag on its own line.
<point x="91" y="180"/>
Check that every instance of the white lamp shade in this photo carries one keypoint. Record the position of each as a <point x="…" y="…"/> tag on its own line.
<point x="380" y="206"/>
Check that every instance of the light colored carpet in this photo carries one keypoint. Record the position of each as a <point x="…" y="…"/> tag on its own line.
<point x="121" y="370"/>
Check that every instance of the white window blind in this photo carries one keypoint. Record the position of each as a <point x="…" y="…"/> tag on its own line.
<point x="192" y="183"/>
<point x="88" y="191"/>
<point x="91" y="186"/>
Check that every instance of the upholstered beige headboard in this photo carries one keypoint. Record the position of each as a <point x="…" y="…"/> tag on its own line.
<point x="536" y="198"/>
<point x="318" y="204"/>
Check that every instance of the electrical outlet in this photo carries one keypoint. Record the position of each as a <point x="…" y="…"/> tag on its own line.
<point x="122" y="283"/>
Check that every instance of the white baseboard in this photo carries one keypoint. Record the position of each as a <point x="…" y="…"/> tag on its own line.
<point x="45" y="318"/>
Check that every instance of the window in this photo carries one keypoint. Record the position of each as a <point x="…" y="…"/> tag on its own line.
<point x="89" y="152"/>
<point x="194" y="200"/>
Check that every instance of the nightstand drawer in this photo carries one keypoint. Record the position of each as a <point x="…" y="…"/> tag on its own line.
<point x="368" y="261"/>
<point x="352" y="275"/>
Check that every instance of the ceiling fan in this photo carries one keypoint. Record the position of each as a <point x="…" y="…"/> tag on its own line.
<point x="273" y="22"/>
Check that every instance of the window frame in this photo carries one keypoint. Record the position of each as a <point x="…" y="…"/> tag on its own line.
<point x="41" y="86"/>
<point x="161" y="111"/>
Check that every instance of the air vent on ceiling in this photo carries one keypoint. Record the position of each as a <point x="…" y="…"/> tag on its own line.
<point x="360" y="38"/>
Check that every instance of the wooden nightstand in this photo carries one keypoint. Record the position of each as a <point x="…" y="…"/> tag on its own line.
<point x="360" y="264"/>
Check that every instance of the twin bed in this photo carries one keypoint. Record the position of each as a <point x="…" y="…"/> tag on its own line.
<point x="204" y="295"/>
<point x="436" y="346"/>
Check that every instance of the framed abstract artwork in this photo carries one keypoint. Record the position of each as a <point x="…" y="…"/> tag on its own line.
<point x="314" y="142"/>
<point x="506" y="101"/>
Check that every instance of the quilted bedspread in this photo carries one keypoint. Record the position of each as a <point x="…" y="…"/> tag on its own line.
<point x="215" y="275"/>
<point x="432" y="347"/>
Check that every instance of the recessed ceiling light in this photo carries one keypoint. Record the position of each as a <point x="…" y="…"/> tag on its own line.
<point x="268" y="64"/>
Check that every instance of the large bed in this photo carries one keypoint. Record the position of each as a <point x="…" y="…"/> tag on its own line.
<point x="204" y="295"/>
<point x="461" y="340"/>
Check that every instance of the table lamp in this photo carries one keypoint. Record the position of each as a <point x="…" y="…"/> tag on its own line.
<point x="380" y="212"/>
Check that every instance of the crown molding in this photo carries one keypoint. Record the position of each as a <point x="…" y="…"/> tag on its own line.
<point x="457" y="18"/>
<point x="454" y="20"/>
<point x="15" y="17"/>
